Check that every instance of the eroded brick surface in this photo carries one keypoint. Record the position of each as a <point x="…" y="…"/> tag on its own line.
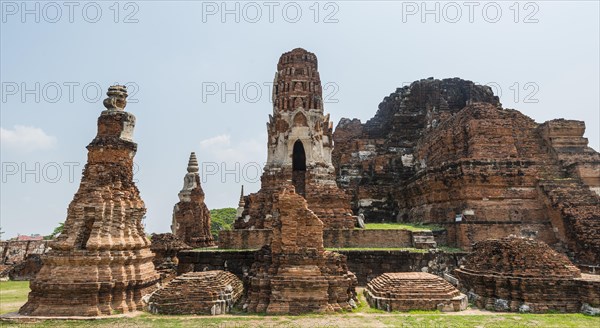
<point x="295" y="274"/>
<point x="403" y="291"/>
<point x="518" y="274"/>
<point x="299" y="149"/>
<point x="209" y="292"/>
<point x="423" y="158"/>
<point x="191" y="217"/>
<point x="101" y="263"/>
<point x="165" y="247"/>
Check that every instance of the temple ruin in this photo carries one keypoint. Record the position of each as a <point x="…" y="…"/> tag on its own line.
<point x="299" y="148"/>
<point x="209" y="292"/>
<point x="165" y="247"/>
<point x="525" y="275"/>
<point x="191" y="217"/>
<point x="446" y="152"/>
<point x="295" y="274"/>
<point x="404" y="291"/>
<point x="101" y="263"/>
<point x="513" y="208"/>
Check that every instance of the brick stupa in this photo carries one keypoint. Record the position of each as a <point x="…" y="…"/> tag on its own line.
<point x="404" y="291"/>
<point x="191" y="217"/>
<point x="101" y="263"/>
<point x="295" y="274"/>
<point x="525" y="275"/>
<point x="299" y="148"/>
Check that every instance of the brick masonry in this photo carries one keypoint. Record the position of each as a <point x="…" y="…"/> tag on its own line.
<point x="332" y="238"/>
<point x="366" y="265"/>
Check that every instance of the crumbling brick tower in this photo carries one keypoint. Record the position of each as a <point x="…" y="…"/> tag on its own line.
<point x="299" y="148"/>
<point x="101" y="263"/>
<point x="191" y="217"/>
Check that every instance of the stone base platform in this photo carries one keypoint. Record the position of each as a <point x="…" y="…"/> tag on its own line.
<point x="404" y="291"/>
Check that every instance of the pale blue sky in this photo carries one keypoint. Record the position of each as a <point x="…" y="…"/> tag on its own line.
<point x="175" y="49"/>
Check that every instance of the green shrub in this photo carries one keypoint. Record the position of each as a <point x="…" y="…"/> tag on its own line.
<point x="221" y="219"/>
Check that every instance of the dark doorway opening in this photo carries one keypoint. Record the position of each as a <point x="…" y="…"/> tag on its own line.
<point x="299" y="168"/>
<point x="89" y="215"/>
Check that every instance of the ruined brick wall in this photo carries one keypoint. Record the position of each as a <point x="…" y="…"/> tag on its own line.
<point x="15" y="251"/>
<point x="244" y="239"/>
<point x="332" y="238"/>
<point x="20" y="259"/>
<point x="495" y="169"/>
<point x="366" y="264"/>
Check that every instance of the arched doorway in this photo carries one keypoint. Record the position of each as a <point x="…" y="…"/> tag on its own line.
<point x="299" y="168"/>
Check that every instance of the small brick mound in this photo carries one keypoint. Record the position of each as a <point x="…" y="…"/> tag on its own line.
<point x="520" y="257"/>
<point x="403" y="291"/>
<point x="209" y="292"/>
<point x="517" y="274"/>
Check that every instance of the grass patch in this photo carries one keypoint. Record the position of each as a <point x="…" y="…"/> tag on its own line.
<point x="403" y="226"/>
<point x="13" y="294"/>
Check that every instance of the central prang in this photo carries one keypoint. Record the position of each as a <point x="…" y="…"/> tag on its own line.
<point x="299" y="148"/>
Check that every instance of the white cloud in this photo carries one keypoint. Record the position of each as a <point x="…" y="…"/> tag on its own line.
<point x="26" y="139"/>
<point x="218" y="141"/>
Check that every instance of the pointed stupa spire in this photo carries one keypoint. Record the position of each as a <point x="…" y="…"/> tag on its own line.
<point x="242" y="202"/>
<point x="193" y="163"/>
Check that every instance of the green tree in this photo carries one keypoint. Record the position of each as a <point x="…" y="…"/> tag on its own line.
<point x="56" y="231"/>
<point x="221" y="219"/>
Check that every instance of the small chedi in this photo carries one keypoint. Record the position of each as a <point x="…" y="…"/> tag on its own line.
<point x="295" y="274"/>
<point x="519" y="274"/>
<point x="101" y="262"/>
<point x="165" y="247"/>
<point x="404" y="291"/>
<point x="209" y="292"/>
<point x="191" y="217"/>
<point x="299" y="148"/>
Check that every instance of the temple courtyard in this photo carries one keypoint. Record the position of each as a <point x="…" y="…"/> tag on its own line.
<point x="13" y="294"/>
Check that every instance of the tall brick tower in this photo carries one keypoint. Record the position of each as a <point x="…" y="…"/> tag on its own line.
<point x="101" y="263"/>
<point x="299" y="148"/>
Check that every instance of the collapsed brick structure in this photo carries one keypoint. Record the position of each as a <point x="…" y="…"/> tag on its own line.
<point x="299" y="148"/>
<point x="445" y="152"/>
<point x="295" y="274"/>
<point x="519" y="274"/>
<point x="20" y="259"/>
<point x="165" y="247"/>
<point x="209" y="292"/>
<point x="404" y="291"/>
<point x="191" y="217"/>
<point x="101" y="262"/>
<point x="372" y="159"/>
